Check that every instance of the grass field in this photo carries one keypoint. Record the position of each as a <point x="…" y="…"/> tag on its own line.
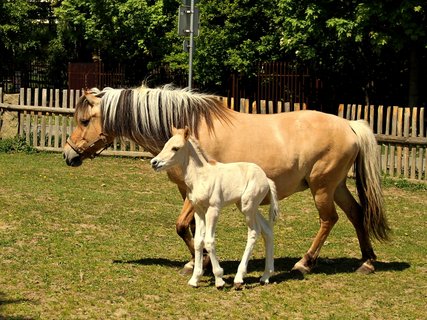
<point x="99" y="242"/>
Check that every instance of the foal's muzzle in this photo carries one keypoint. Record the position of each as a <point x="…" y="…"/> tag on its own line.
<point x="157" y="165"/>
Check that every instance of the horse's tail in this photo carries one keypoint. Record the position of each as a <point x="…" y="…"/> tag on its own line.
<point x="274" y="203"/>
<point x="368" y="182"/>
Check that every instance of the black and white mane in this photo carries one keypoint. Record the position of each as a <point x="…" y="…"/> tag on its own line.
<point x="146" y="115"/>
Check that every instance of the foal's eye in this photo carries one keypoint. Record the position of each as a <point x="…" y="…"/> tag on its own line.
<point x="85" y="122"/>
<point x="175" y="149"/>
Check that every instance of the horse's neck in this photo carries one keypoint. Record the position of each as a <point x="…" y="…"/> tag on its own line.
<point x="196" y="165"/>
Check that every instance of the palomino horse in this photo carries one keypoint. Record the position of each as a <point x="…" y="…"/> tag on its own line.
<point x="297" y="150"/>
<point x="213" y="185"/>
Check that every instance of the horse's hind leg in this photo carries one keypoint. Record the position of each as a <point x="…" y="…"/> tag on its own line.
<point x="353" y="210"/>
<point x="323" y="198"/>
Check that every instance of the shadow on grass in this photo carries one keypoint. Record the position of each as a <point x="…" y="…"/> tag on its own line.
<point x="283" y="267"/>
<point x="154" y="262"/>
<point x="5" y="301"/>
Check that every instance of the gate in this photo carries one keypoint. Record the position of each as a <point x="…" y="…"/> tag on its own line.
<point x="93" y="74"/>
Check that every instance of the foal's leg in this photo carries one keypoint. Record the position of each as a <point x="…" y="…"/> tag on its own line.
<point x="324" y="200"/>
<point x="267" y="234"/>
<point x="253" y="232"/>
<point x="199" y="244"/>
<point x="352" y="209"/>
<point x="212" y="215"/>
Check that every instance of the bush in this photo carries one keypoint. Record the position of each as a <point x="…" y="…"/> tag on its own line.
<point x="17" y="144"/>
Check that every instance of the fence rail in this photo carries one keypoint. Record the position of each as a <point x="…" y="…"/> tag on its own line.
<point x="45" y="120"/>
<point x="401" y="135"/>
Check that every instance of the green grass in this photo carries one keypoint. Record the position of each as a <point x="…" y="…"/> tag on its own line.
<point x="99" y="242"/>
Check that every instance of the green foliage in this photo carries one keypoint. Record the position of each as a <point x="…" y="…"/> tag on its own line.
<point x="353" y="43"/>
<point x="234" y="36"/>
<point x="404" y="184"/>
<point x="366" y="42"/>
<point x="118" y="31"/>
<point x="309" y="28"/>
<point x="17" y="39"/>
<point x="12" y="145"/>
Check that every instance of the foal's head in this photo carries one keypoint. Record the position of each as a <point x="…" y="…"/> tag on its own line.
<point x="174" y="152"/>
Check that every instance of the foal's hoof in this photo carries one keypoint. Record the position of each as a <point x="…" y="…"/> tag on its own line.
<point x="238" y="286"/>
<point x="366" y="268"/>
<point x="264" y="282"/>
<point x="193" y="284"/>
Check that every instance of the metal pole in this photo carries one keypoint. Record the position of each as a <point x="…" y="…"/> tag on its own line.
<point x="191" y="47"/>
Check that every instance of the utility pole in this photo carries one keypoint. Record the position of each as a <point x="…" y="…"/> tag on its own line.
<point x="188" y="25"/>
<point x="191" y="48"/>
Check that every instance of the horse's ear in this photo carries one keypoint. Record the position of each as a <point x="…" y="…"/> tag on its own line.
<point x="186" y="133"/>
<point x="91" y="98"/>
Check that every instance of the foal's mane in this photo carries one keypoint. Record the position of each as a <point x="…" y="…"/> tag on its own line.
<point x="146" y="115"/>
<point x="200" y="151"/>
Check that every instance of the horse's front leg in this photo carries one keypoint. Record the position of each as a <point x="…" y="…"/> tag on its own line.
<point x="212" y="215"/>
<point x="184" y="222"/>
<point x="199" y="244"/>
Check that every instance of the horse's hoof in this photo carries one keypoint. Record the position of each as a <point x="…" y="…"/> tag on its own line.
<point x="366" y="268"/>
<point x="238" y="286"/>
<point x="301" y="269"/>
<point x="186" y="271"/>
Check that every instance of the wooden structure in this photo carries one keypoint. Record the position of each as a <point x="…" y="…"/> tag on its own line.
<point x="401" y="134"/>
<point x="45" y="119"/>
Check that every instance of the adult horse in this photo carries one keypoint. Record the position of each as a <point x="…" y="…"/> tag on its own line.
<point x="297" y="150"/>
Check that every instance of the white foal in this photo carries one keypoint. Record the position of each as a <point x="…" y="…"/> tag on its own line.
<point x="213" y="185"/>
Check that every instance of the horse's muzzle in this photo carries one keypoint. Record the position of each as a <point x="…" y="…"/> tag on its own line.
<point x="72" y="158"/>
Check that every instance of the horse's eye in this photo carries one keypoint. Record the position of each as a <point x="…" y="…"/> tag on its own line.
<point x="175" y="149"/>
<point x="85" y="122"/>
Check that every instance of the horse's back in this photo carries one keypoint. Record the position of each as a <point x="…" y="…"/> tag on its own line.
<point x="287" y="146"/>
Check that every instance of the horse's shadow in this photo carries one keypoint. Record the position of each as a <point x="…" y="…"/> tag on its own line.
<point x="4" y="301"/>
<point x="283" y="267"/>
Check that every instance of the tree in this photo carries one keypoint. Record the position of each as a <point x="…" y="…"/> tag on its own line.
<point x="126" y="31"/>
<point x="234" y="36"/>
<point x="16" y="41"/>
<point x="356" y="44"/>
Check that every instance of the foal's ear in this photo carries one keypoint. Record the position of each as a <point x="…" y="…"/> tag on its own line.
<point x="174" y="130"/>
<point x="186" y="133"/>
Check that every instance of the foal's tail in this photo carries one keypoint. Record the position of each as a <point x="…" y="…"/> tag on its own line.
<point x="274" y="203"/>
<point x="368" y="182"/>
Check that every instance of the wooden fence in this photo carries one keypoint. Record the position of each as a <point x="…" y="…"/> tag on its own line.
<point x="45" y="120"/>
<point x="401" y="135"/>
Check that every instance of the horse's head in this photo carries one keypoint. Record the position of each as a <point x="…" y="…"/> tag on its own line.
<point x="87" y="138"/>
<point x="174" y="151"/>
